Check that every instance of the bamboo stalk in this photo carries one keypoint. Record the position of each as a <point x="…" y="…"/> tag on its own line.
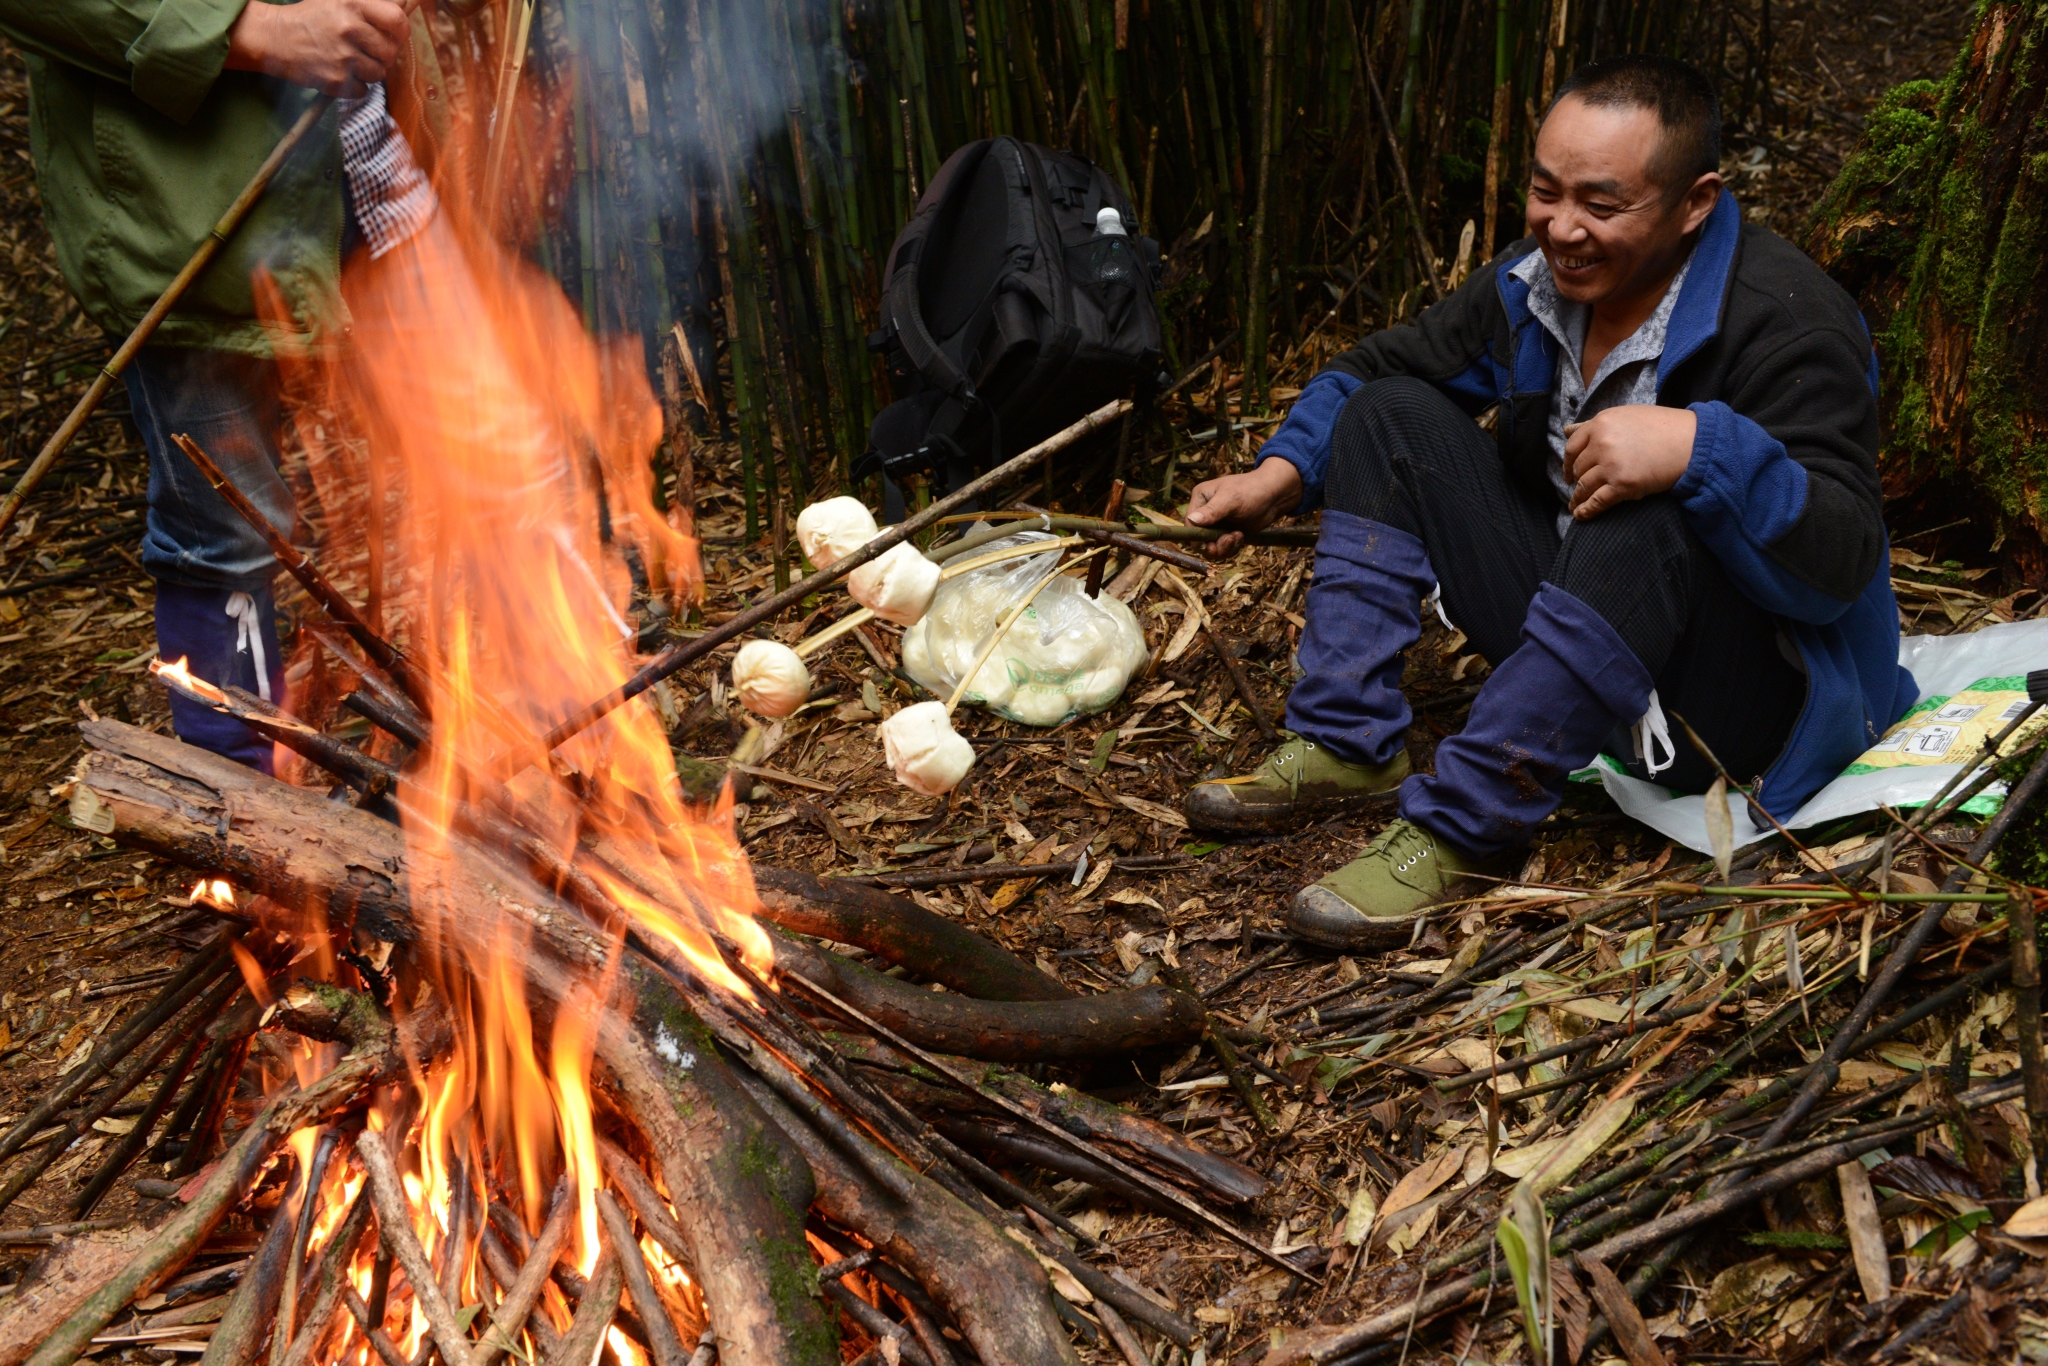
<point x="1258" y="291"/>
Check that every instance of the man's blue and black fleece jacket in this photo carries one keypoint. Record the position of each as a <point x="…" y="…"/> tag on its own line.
<point x="1774" y="359"/>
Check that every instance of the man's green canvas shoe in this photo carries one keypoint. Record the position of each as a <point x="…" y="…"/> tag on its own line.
<point x="1374" y="901"/>
<point x="1299" y="782"/>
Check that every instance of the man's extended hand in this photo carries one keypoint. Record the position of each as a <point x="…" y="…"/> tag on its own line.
<point x="330" y="45"/>
<point x="1624" y="453"/>
<point x="1244" y="502"/>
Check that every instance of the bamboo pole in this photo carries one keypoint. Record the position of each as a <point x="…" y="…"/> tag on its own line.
<point x="202" y="257"/>
<point x="1258" y="291"/>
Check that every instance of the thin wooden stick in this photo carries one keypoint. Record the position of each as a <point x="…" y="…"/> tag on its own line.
<point x="174" y="1242"/>
<point x="677" y="656"/>
<point x="1200" y="1213"/>
<point x="387" y="1350"/>
<point x="295" y="1263"/>
<point x="381" y="652"/>
<point x="646" y="1203"/>
<point x="330" y="1281"/>
<point x="511" y="62"/>
<point x="524" y="1292"/>
<point x="664" y="1343"/>
<point x="199" y="973"/>
<point x="600" y="1305"/>
<point x="394" y="1225"/>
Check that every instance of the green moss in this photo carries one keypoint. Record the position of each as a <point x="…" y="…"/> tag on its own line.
<point x="1898" y="133"/>
<point x="792" y="1274"/>
<point x="813" y="1335"/>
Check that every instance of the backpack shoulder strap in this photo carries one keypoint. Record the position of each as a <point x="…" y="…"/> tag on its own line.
<point x="903" y="317"/>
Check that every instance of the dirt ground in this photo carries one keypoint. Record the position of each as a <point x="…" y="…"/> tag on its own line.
<point x="89" y="926"/>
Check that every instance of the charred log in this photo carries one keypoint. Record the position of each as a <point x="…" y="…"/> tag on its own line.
<point x="1002" y="1031"/>
<point x="900" y="932"/>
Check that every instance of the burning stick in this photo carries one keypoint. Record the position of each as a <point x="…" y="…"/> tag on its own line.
<point x="309" y="1204"/>
<point x="239" y="1338"/>
<point x="373" y="1329"/>
<point x="594" y="1315"/>
<point x="330" y="1281"/>
<point x="394" y="1226"/>
<point x="982" y="1279"/>
<point x="378" y="1052"/>
<point x="523" y="1290"/>
<point x="664" y="1344"/>
<point x="648" y="1206"/>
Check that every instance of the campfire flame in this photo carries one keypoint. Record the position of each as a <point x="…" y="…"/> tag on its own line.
<point x="513" y="441"/>
<point x="216" y="892"/>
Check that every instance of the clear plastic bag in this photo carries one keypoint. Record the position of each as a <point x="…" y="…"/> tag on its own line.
<point x="1067" y="654"/>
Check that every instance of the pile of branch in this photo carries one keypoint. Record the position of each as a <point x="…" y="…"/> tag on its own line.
<point x="1640" y="1162"/>
<point x="740" y="1138"/>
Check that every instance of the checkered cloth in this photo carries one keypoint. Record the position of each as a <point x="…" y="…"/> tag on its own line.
<point x="391" y="195"/>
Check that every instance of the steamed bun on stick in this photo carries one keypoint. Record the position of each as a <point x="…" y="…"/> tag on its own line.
<point x="770" y="678"/>
<point x="897" y="587"/>
<point x="834" y="529"/>
<point x="923" y="749"/>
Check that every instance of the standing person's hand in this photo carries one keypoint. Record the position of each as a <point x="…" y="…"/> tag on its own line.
<point x="1626" y="453"/>
<point x="1244" y="502"/>
<point x="332" y="45"/>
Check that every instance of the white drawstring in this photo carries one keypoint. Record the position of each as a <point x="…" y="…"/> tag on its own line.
<point x="1651" y="731"/>
<point x="1436" y="600"/>
<point x="249" y="635"/>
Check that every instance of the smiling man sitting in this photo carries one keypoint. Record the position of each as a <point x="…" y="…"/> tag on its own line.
<point x="1677" y="511"/>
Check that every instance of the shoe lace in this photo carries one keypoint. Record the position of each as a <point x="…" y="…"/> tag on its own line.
<point x="1404" y="845"/>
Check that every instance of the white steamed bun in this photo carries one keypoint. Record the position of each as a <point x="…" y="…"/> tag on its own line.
<point x="834" y="529"/>
<point x="897" y="586"/>
<point x="770" y="678"/>
<point x="924" y="751"/>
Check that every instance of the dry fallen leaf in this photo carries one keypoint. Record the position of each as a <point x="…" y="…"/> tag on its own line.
<point x="1866" y="1231"/>
<point x="2029" y="1220"/>
<point x="1422" y="1180"/>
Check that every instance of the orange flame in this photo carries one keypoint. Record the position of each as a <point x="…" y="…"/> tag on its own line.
<point x="181" y="678"/>
<point x="510" y="437"/>
<point x="217" y="892"/>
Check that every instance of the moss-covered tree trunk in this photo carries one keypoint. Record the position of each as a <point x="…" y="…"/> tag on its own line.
<point x="1937" y="225"/>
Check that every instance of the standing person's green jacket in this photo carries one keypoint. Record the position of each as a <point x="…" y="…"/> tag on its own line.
<point x="142" y="139"/>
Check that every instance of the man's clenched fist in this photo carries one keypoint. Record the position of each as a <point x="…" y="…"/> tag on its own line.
<point x="333" y="45"/>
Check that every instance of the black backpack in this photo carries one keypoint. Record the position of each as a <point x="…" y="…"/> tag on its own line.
<point x="1006" y="315"/>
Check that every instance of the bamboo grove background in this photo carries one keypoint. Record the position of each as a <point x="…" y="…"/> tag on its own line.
<point x="731" y="172"/>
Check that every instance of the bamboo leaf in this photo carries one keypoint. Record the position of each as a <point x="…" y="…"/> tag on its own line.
<point x="1524" y="1237"/>
<point x="1557" y="1163"/>
<point x="1720" y="826"/>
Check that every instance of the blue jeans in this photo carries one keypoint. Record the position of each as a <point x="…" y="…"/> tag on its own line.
<point x="230" y="405"/>
<point x="197" y="548"/>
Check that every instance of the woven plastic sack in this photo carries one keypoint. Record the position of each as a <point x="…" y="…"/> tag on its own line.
<point x="1067" y="654"/>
